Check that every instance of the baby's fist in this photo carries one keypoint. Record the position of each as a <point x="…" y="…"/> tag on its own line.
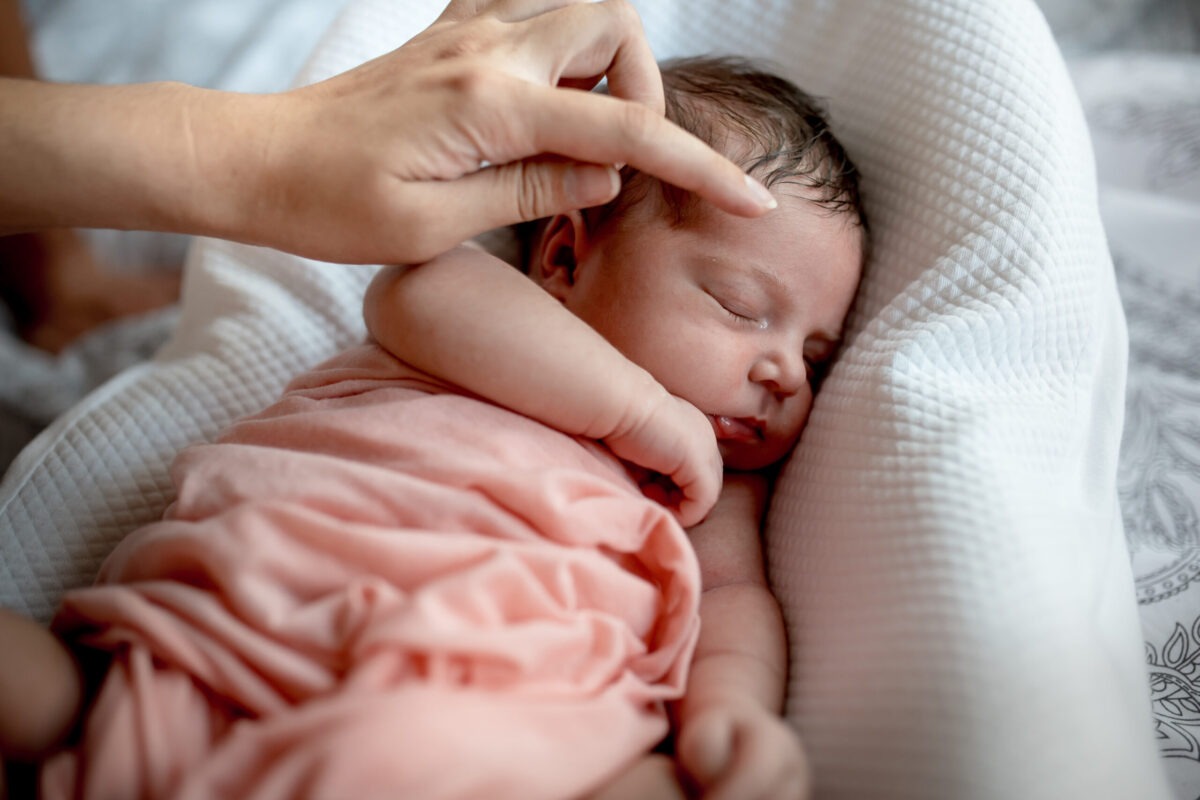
<point x="674" y="440"/>
<point x="743" y="753"/>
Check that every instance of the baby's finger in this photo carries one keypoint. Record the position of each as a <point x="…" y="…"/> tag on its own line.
<point x="705" y="750"/>
<point x="699" y="479"/>
<point x="699" y="496"/>
<point x="763" y="767"/>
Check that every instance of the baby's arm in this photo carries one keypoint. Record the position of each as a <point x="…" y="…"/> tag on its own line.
<point x="470" y="319"/>
<point x="41" y="690"/>
<point x="731" y="741"/>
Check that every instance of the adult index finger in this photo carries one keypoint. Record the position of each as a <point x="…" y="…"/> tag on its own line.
<point x="599" y="129"/>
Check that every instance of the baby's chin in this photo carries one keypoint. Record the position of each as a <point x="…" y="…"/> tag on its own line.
<point x="751" y="457"/>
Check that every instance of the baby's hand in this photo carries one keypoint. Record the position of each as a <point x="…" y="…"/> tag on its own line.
<point x="674" y="440"/>
<point x="741" y="751"/>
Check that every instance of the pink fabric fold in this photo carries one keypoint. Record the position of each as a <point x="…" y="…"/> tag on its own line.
<point x="379" y="587"/>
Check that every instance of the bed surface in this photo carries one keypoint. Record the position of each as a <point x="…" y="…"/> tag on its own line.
<point x="1136" y="66"/>
<point x="1144" y="111"/>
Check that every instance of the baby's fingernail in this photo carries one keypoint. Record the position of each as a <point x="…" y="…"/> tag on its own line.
<point x="760" y="194"/>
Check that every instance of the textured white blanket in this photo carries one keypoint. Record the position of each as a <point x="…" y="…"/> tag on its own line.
<point x="946" y="543"/>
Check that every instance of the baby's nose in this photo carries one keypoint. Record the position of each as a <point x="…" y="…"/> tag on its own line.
<point x="781" y="373"/>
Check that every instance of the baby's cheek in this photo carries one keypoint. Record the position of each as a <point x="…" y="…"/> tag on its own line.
<point x="699" y="374"/>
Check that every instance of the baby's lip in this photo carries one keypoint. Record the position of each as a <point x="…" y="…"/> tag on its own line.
<point x="737" y="429"/>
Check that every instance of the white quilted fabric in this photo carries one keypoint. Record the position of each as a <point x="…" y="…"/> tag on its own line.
<point x="946" y="543"/>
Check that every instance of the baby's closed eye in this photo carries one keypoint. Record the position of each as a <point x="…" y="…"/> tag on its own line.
<point x="741" y="308"/>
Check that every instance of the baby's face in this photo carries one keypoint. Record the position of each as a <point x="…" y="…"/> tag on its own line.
<point x="737" y="316"/>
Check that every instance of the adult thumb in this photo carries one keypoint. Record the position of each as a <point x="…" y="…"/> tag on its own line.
<point x="544" y="188"/>
<point x="528" y="190"/>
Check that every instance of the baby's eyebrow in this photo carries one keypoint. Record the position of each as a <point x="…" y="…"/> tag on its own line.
<point x="757" y="273"/>
<point x="769" y="277"/>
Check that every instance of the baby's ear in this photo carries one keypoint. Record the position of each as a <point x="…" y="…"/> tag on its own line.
<point x="557" y="252"/>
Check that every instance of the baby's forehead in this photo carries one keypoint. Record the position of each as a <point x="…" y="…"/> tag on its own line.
<point x="646" y="202"/>
<point x="723" y="241"/>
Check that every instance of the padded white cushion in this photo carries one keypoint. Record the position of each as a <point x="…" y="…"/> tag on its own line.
<point x="946" y="543"/>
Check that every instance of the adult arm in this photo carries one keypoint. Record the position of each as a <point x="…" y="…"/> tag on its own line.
<point x="378" y="164"/>
<point x="474" y="321"/>
<point x="54" y="286"/>
<point x="731" y="741"/>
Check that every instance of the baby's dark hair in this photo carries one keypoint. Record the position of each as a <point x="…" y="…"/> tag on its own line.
<point x="770" y="127"/>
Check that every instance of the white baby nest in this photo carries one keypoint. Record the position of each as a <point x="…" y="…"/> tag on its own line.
<point x="947" y="543"/>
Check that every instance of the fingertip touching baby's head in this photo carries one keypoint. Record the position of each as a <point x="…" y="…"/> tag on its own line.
<point x="772" y="128"/>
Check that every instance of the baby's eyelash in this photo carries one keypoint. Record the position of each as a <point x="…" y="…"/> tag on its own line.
<point x="736" y="314"/>
<point x="739" y="317"/>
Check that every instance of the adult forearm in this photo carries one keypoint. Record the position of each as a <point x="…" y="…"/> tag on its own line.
<point x="157" y="156"/>
<point x="380" y="164"/>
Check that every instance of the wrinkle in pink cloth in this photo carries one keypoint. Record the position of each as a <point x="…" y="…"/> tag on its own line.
<point x="381" y="588"/>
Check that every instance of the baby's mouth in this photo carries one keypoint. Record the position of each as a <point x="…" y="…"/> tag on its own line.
<point x="737" y="429"/>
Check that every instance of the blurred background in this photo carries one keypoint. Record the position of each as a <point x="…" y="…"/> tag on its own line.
<point x="118" y="297"/>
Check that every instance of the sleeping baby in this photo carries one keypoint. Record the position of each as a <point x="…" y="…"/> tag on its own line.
<point x="452" y="562"/>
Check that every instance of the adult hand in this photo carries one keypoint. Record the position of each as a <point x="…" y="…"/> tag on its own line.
<point x="381" y="163"/>
<point x="399" y="141"/>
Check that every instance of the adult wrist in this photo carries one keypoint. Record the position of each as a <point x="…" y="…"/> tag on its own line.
<point x="153" y="156"/>
<point x="217" y="162"/>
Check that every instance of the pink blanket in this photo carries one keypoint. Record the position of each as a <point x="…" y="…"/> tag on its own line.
<point x="379" y="588"/>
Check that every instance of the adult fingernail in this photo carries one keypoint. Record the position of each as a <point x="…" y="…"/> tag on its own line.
<point x="760" y="194"/>
<point x="590" y="185"/>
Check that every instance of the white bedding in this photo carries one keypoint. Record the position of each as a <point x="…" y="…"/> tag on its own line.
<point x="947" y="542"/>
